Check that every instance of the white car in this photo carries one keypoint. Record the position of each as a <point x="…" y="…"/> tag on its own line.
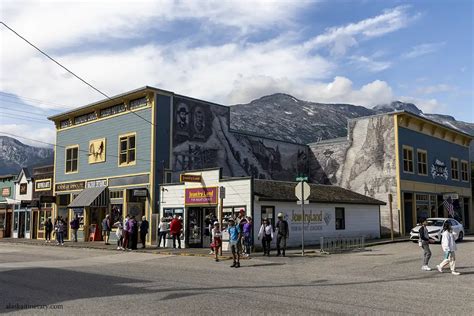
<point x="435" y="227"/>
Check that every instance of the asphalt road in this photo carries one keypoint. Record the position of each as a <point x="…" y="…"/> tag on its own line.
<point x="385" y="280"/>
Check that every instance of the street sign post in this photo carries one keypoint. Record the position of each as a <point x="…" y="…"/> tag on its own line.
<point x="302" y="192"/>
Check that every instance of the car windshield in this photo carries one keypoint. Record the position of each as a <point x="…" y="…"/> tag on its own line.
<point x="435" y="222"/>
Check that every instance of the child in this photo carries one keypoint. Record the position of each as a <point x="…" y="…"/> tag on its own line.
<point x="216" y="239"/>
<point x="234" y="239"/>
<point x="449" y="247"/>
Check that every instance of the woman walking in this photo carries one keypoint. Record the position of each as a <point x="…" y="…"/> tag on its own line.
<point x="449" y="247"/>
<point x="266" y="234"/>
<point x="48" y="228"/>
<point x="424" y="242"/>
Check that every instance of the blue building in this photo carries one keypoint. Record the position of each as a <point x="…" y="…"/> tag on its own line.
<point x="112" y="155"/>
<point x="410" y="162"/>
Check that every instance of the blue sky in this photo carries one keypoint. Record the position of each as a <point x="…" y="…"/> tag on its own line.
<point x="360" y="52"/>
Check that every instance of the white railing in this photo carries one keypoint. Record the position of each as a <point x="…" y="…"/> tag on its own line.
<point x="341" y="244"/>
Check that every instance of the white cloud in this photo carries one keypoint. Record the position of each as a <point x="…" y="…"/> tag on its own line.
<point x="370" y="64"/>
<point x="340" y="39"/>
<point x="435" y="89"/>
<point x="423" y="49"/>
<point x="45" y="134"/>
<point x="426" y="105"/>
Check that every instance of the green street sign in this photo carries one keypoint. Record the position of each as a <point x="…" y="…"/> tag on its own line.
<point x="302" y="179"/>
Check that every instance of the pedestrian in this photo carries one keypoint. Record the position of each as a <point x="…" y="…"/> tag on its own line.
<point x="144" y="226"/>
<point x="216" y="239"/>
<point x="163" y="229"/>
<point x="282" y="234"/>
<point x="247" y="233"/>
<point x="175" y="231"/>
<point x="134" y="233"/>
<point x="448" y="244"/>
<point x="126" y="232"/>
<point x="48" y="228"/>
<point x="234" y="239"/>
<point x="266" y="234"/>
<point x="59" y="229"/>
<point x="75" y="226"/>
<point x="106" y="229"/>
<point x="119" y="234"/>
<point x="424" y="242"/>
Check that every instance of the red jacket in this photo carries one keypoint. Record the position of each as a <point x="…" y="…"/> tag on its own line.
<point x="175" y="226"/>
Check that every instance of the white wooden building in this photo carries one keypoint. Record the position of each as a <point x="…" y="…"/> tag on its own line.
<point x="332" y="211"/>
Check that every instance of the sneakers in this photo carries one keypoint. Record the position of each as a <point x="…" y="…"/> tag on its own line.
<point x="425" y="268"/>
<point x="455" y="273"/>
<point x="234" y="265"/>
<point x="211" y="252"/>
<point x="439" y="268"/>
<point x="237" y="265"/>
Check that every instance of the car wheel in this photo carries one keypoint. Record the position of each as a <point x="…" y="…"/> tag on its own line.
<point x="460" y="237"/>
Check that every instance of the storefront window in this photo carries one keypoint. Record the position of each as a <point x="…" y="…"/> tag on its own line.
<point x="340" y="218"/>
<point x="269" y="213"/>
<point x="170" y="212"/>
<point x="2" y="220"/>
<point x="116" y="213"/>
<point x="27" y="222"/>
<point x="423" y="209"/>
<point x="15" y="221"/>
<point x="407" y="159"/>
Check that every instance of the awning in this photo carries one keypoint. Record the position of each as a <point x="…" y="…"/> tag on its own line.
<point x="12" y="201"/>
<point x="87" y="197"/>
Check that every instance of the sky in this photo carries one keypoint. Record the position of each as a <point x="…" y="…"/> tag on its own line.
<point x="361" y="52"/>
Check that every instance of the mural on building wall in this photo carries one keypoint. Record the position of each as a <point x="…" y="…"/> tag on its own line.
<point x="202" y="139"/>
<point x="364" y="163"/>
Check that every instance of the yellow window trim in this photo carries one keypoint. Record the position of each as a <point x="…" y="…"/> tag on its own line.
<point x="426" y="162"/>
<point x="133" y="163"/>
<point x="412" y="159"/>
<point x="65" y="158"/>
<point x="457" y="170"/>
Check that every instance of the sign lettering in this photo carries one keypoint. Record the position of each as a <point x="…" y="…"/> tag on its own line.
<point x="189" y="178"/>
<point x="201" y="196"/>
<point x="43" y="185"/>
<point x="96" y="183"/>
<point x="70" y="186"/>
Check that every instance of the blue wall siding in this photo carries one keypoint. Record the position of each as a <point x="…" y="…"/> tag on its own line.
<point x="437" y="149"/>
<point x="162" y="138"/>
<point x="110" y="129"/>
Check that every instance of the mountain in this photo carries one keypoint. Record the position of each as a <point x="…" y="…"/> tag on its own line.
<point x="284" y="117"/>
<point x="14" y="155"/>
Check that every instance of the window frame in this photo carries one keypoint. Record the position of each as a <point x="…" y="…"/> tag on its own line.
<point x="343" y="218"/>
<point x="126" y="164"/>
<point x="452" y="169"/>
<point x="425" y="153"/>
<point x="465" y="163"/>
<point x="272" y="207"/>
<point x="71" y="147"/>
<point x="405" y="147"/>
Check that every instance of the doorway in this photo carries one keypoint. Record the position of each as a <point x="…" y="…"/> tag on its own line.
<point x="35" y="225"/>
<point x="408" y="212"/>
<point x="199" y="220"/>
<point x="21" y="224"/>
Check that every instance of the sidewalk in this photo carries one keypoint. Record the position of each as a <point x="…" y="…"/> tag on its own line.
<point x="197" y="252"/>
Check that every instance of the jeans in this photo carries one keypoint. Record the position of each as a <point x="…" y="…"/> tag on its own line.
<point x="143" y="238"/>
<point x="266" y="241"/>
<point x="48" y="235"/>
<point x="60" y="237"/>
<point x="74" y="232"/>
<point x="126" y="238"/>
<point x="176" y="236"/>
<point x="162" y="235"/>
<point x="281" y="244"/>
<point x="247" y="244"/>
<point x="426" y="252"/>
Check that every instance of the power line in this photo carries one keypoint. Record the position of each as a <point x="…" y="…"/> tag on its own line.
<point x="64" y="147"/>
<point x="24" y="117"/>
<point x="17" y="96"/>
<point x="21" y="111"/>
<point x="60" y="65"/>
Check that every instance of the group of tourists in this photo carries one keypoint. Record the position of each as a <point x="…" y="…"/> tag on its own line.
<point x="58" y="229"/>
<point x="127" y="232"/>
<point x="266" y="234"/>
<point x="448" y="244"/>
<point x="172" y="227"/>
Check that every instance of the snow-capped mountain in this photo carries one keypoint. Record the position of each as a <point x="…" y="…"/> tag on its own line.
<point x="14" y="155"/>
<point x="284" y="117"/>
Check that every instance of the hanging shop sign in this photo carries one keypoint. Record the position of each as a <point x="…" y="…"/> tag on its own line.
<point x="439" y="169"/>
<point x="201" y="196"/>
<point x="140" y="192"/>
<point x="6" y="192"/>
<point x="96" y="183"/>
<point x="43" y="185"/>
<point x="70" y="186"/>
<point x="190" y="178"/>
<point x="452" y="196"/>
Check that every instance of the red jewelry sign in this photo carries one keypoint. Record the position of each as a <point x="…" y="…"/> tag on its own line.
<point x="201" y="196"/>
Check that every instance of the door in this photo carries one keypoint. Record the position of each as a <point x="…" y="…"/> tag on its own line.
<point x="8" y="225"/>
<point x="194" y="229"/>
<point x="408" y="212"/>
<point x="35" y="225"/>
<point x="21" y="224"/>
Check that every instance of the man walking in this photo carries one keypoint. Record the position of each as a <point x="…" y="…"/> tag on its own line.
<point x="175" y="231"/>
<point x="106" y="229"/>
<point x="75" y="226"/>
<point x="424" y="241"/>
<point x="144" y="230"/>
<point x="282" y="235"/>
